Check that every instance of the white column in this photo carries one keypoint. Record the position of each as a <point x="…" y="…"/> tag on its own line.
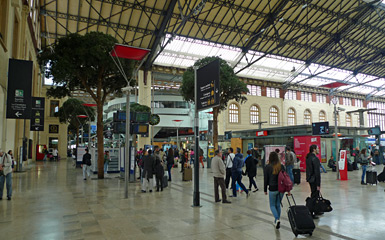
<point x="144" y="96"/>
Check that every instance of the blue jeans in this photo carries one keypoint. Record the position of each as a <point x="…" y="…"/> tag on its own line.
<point x="323" y="168"/>
<point x="363" y="173"/>
<point x="237" y="177"/>
<point x="8" y="179"/>
<point x="169" y="166"/>
<point x="275" y="199"/>
<point x="105" y="167"/>
<point x="289" y="170"/>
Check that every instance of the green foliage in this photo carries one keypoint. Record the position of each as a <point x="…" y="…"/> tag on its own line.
<point x="136" y="107"/>
<point x="231" y="88"/>
<point x="79" y="63"/>
<point x="68" y="113"/>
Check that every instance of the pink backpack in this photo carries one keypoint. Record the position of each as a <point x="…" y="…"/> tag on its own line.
<point x="284" y="182"/>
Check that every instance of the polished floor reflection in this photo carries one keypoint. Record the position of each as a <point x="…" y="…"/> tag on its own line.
<point x="52" y="201"/>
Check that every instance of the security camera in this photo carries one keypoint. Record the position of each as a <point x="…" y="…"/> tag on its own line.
<point x="341" y="109"/>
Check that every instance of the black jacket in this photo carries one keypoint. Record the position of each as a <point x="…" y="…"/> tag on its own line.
<point x="313" y="174"/>
<point x="271" y="179"/>
<point x="251" y="166"/>
<point x="87" y="159"/>
<point x="170" y="159"/>
<point x="159" y="170"/>
<point x="148" y="166"/>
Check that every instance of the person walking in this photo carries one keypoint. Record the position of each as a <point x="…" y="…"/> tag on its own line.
<point x="55" y="154"/>
<point x="251" y="169"/>
<point x="107" y="160"/>
<point x="289" y="162"/>
<point x="237" y="174"/>
<point x="5" y="174"/>
<point x="271" y="180"/>
<point x="148" y="170"/>
<point x="229" y="166"/>
<point x="86" y="165"/>
<point x="170" y="162"/>
<point x="159" y="173"/>
<point x="364" y="161"/>
<point x="313" y="174"/>
<point x="219" y="170"/>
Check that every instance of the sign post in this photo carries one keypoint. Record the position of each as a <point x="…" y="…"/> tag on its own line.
<point x="37" y="114"/>
<point x="343" y="166"/>
<point x="206" y="96"/>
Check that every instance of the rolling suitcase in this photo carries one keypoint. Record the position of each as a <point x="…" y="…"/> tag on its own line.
<point x="300" y="219"/>
<point x="187" y="174"/>
<point x="371" y="177"/>
<point x="165" y="181"/>
<point x="297" y="176"/>
<point x="381" y="176"/>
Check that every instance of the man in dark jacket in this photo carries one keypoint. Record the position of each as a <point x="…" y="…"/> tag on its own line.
<point x="236" y="171"/>
<point x="313" y="174"/>
<point x="86" y="164"/>
<point x="148" y="170"/>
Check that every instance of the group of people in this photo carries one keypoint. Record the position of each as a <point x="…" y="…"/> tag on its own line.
<point x="231" y="169"/>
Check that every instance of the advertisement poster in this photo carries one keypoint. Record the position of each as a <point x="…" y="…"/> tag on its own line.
<point x="301" y="148"/>
<point x="272" y="148"/>
<point x="343" y="165"/>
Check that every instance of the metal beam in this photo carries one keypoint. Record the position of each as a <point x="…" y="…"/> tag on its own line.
<point x="160" y="34"/>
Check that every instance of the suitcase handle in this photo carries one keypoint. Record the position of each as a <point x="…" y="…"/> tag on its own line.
<point x="287" y="196"/>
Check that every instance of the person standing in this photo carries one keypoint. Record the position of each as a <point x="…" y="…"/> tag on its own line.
<point x="271" y="179"/>
<point x="289" y="162"/>
<point x="148" y="170"/>
<point x="159" y="173"/>
<point x="237" y="174"/>
<point x="107" y="160"/>
<point x="192" y="156"/>
<point x="251" y="169"/>
<point x="201" y="156"/>
<point x="313" y="174"/>
<point x="86" y="164"/>
<point x="170" y="162"/>
<point x="229" y="166"/>
<point x="183" y="159"/>
<point x="364" y="158"/>
<point x="5" y="174"/>
<point x="13" y="161"/>
<point x="55" y="154"/>
<point x="219" y="171"/>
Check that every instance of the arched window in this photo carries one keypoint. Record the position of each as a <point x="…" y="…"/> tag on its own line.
<point x="338" y="118"/>
<point x="291" y="117"/>
<point x="233" y="113"/>
<point x="254" y="114"/>
<point x="273" y="116"/>
<point x="307" y="117"/>
<point x="322" y="116"/>
<point x="348" y="120"/>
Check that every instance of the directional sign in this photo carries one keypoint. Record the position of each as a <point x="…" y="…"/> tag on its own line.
<point x="19" y="89"/>
<point x="208" y="86"/>
<point x="37" y="114"/>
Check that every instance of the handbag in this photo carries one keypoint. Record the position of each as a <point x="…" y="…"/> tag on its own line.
<point x="318" y="204"/>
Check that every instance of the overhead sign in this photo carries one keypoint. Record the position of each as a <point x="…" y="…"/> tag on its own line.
<point x="261" y="133"/>
<point x="19" y="89"/>
<point x="320" y="128"/>
<point x="208" y="86"/>
<point x="37" y="114"/>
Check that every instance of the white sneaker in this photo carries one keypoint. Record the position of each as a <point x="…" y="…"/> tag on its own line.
<point x="278" y="225"/>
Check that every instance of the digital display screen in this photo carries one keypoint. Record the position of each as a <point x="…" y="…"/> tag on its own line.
<point x="139" y="129"/>
<point x="320" y="128"/>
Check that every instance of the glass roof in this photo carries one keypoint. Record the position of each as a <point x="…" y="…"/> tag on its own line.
<point x="182" y="52"/>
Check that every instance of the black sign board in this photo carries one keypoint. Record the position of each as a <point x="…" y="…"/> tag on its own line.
<point x="19" y="89"/>
<point x="320" y="128"/>
<point x="53" y="128"/>
<point x="37" y="114"/>
<point x="208" y="86"/>
<point x="228" y="135"/>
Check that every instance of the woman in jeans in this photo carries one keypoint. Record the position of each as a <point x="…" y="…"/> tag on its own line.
<point x="364" y="162"/>
<point x="271" y="180"/>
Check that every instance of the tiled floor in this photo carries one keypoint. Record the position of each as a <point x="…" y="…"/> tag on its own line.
<point x="52" y="201"/>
